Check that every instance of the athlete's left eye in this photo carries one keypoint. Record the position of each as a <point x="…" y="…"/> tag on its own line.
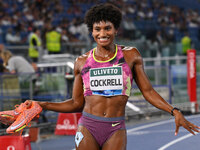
<point x="107" y="28"/>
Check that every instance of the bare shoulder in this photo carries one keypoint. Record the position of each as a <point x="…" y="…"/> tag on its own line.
<point x="82" y="57"/>
<point x="80" y="61"/>
<point x="131" y="54"/>
<point x="129" y="49"/>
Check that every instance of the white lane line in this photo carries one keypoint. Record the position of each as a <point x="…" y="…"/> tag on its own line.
<point x="155" y="131"/>
<point x="160" y="123"/>
<point x="149" y="125"/>
<point x="157" y="124"/>
<point x="175" y="141"/>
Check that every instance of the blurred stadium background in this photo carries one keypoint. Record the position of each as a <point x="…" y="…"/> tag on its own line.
<point x="155" y="27"/>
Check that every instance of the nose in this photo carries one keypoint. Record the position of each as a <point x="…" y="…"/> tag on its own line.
<point x="102" y="33"/>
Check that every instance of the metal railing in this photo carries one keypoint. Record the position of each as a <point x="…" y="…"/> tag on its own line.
<point x="68" y="48"/>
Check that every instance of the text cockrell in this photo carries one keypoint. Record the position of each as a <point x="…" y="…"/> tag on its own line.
<point x="105" y="82"/>
<point x="107" y="78"/>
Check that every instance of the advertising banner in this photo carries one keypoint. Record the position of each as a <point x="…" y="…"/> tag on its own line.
<point x="191" y="79"/>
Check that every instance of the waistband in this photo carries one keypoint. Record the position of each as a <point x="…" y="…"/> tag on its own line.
<point x="103" y="118"/>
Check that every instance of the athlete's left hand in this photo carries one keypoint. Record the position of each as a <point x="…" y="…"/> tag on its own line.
<point x="181" y="121"/>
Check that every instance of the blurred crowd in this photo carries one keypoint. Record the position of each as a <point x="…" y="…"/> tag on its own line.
<point x="167" y="22"/>
<point x="19" y="18"/>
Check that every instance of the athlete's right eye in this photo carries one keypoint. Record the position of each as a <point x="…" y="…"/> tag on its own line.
<point x="97" y="29"/>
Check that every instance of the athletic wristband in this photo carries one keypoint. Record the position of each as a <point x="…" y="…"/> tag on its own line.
<point x="172" y="111"/>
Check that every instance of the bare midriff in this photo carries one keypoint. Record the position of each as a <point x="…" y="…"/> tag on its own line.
<point x="101" y="106"/>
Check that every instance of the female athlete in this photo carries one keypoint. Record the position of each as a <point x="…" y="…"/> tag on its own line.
<point x="102" y="86"/>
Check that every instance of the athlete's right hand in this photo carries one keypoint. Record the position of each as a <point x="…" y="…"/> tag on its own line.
<point x="28" y="103"/>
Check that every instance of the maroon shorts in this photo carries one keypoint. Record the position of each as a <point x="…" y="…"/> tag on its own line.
<point x="100" y="127"/>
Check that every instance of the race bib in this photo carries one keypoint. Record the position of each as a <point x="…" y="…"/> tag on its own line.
<point x="106" y="81"/>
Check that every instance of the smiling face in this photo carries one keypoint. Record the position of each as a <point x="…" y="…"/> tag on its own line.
<point x="104" y="33"/>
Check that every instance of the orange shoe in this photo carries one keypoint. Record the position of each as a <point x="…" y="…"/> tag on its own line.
<point x="8" y="117"/>
<point x="25" y="118"/>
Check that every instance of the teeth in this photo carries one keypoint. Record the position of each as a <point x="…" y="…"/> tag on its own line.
<point x="103" y="39"/>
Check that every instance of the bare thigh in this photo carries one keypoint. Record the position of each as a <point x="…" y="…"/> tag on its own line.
<point x="88" y="142"/>
<point x="117" y="141"/>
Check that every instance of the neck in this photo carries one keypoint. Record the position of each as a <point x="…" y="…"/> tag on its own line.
<point x="105" y="51"/>
<point x="104" y="59"/>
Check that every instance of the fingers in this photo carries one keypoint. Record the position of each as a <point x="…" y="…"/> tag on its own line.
<point x="176" y="131"/>
<point x="193" y="127"/>
<point x="28" y="103"/>
<point x="188" y="126"/>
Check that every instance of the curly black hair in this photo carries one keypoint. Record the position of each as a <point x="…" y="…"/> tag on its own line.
<point x="103" y="12"/>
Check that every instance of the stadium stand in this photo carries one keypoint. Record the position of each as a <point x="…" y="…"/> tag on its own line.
<point x="148" y="16"/>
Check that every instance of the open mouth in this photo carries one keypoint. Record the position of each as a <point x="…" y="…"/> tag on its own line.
<point x="105" y="39"/>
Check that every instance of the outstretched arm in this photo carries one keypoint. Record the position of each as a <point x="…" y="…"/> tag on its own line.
<point x="155" y="99"/>
<point x="75" y="104"/>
